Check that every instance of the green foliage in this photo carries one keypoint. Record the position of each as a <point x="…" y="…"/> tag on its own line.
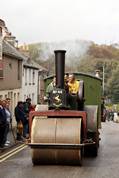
<point x="33" y="51"/>
<point x="114" y="85"/>
<point x="102" y="57"/>
<point x="103" y="51"/>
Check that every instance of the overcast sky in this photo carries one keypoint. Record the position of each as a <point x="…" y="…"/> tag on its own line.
<point x="58" y="20"/>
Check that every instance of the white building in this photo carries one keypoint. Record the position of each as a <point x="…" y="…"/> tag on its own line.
<point x="30" y="81"/>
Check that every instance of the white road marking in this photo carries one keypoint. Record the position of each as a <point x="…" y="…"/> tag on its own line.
<point x="12" y="152"/>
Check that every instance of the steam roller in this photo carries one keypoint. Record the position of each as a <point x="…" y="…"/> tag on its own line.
<point x="60" y="132"/>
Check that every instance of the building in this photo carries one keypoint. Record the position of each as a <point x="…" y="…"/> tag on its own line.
<point x="20" y="76"/>
<point x="30" y="81"/>
<point x="10" y="68"/>
<point x="32" y="78"/>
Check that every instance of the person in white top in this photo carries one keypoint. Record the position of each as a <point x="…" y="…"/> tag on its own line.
<point x="9" y="119"/>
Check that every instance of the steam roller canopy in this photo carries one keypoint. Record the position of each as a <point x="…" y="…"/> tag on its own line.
<point x="56" y="131"/>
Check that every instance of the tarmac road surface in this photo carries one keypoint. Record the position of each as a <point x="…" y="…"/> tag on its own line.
<point x="106" y="165"/>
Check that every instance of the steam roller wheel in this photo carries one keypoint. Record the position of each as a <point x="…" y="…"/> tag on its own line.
<point x="56" y="130"/>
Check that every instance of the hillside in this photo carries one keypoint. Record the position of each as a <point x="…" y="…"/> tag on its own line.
<point x="84" y="56"/>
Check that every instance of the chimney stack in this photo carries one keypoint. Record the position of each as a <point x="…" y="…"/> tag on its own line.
<point x="11" y="39"/>
<point x="6" y="34"/>
<point x="25" y="50"/>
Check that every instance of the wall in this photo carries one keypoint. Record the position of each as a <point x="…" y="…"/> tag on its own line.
<point x="11" y="72"/>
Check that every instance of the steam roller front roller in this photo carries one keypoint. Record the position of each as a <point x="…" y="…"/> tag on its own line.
<point x="56" y="131"/>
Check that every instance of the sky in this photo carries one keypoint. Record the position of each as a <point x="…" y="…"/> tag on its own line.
<point x="33" y="21"/>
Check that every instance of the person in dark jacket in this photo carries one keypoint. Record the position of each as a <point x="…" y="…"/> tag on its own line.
<point x="21" y="117"/>
<point x="3" y="121"/>
<point x="27" y="105"/>
<point x="27" y="109"/>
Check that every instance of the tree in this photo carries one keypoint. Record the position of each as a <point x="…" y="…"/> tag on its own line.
<point x="114" y="85"/>
<point x="34" y="52"/>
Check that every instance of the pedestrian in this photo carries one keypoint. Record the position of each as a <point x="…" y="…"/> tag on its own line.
<point x="116" y="117"/>
<point x="32" y="107"/>
<point x="21" y="120"/>
<point x="9" y="120"/>
<point x="3" y="120"/>
<point x="111" y="115"/>
<point x="27" y="105"/>
<point x="27" y="108"/>
<point x="108" y="115"/>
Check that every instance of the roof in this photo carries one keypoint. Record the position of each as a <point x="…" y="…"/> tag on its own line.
<point x="32" y="64"/>
<point x="11" y="51"/>
<point x="81" y="74"/>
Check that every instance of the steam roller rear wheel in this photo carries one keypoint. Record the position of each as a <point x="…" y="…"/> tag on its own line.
<point x="56" y="130"/>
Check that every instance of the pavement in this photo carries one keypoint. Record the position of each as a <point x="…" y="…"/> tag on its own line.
<point x="12" y="138"/>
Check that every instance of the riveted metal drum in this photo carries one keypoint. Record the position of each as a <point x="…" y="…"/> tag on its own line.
<point x="56" y="131"/>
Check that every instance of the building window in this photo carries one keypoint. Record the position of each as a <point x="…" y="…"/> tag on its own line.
<point x="1" y="73"/>
<point x="23" y="72"/>
<point x="32" y="97"/>
<point x="18" y="95"/>
<point x="1" y="55"/>
<point x="24" y="97"/>
<point x="1" y="68"/>
<point x="25" y="76"/>
<point x="11" y="100"/>
<point x="1" y="97"/>
<point x="29" y="76"/>
<point x="15" y="102"/>
<point x="6" y="96"/>
<point x="9" y="95"/>
<point x="10" y="65"/>
<point x="18" y="70"/>
<point x="33" y="77"/>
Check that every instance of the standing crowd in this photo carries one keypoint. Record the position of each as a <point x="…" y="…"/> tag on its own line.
<point x="21" y="113"/>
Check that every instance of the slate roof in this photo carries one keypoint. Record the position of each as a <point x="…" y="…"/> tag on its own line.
<point x="11" y="51"/>
<point x="32" y="64"/>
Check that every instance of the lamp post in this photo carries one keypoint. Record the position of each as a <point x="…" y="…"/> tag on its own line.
<point x="97" y="74"/>
<point x="103" y="79"/>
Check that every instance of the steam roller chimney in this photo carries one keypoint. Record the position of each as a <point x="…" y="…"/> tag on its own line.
<point x="60" y="67"/>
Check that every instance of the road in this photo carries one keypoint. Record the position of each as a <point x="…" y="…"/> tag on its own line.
<point x="104" y="166"/>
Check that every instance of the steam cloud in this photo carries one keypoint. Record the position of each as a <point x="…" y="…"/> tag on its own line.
<point x="74" y="49"/>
